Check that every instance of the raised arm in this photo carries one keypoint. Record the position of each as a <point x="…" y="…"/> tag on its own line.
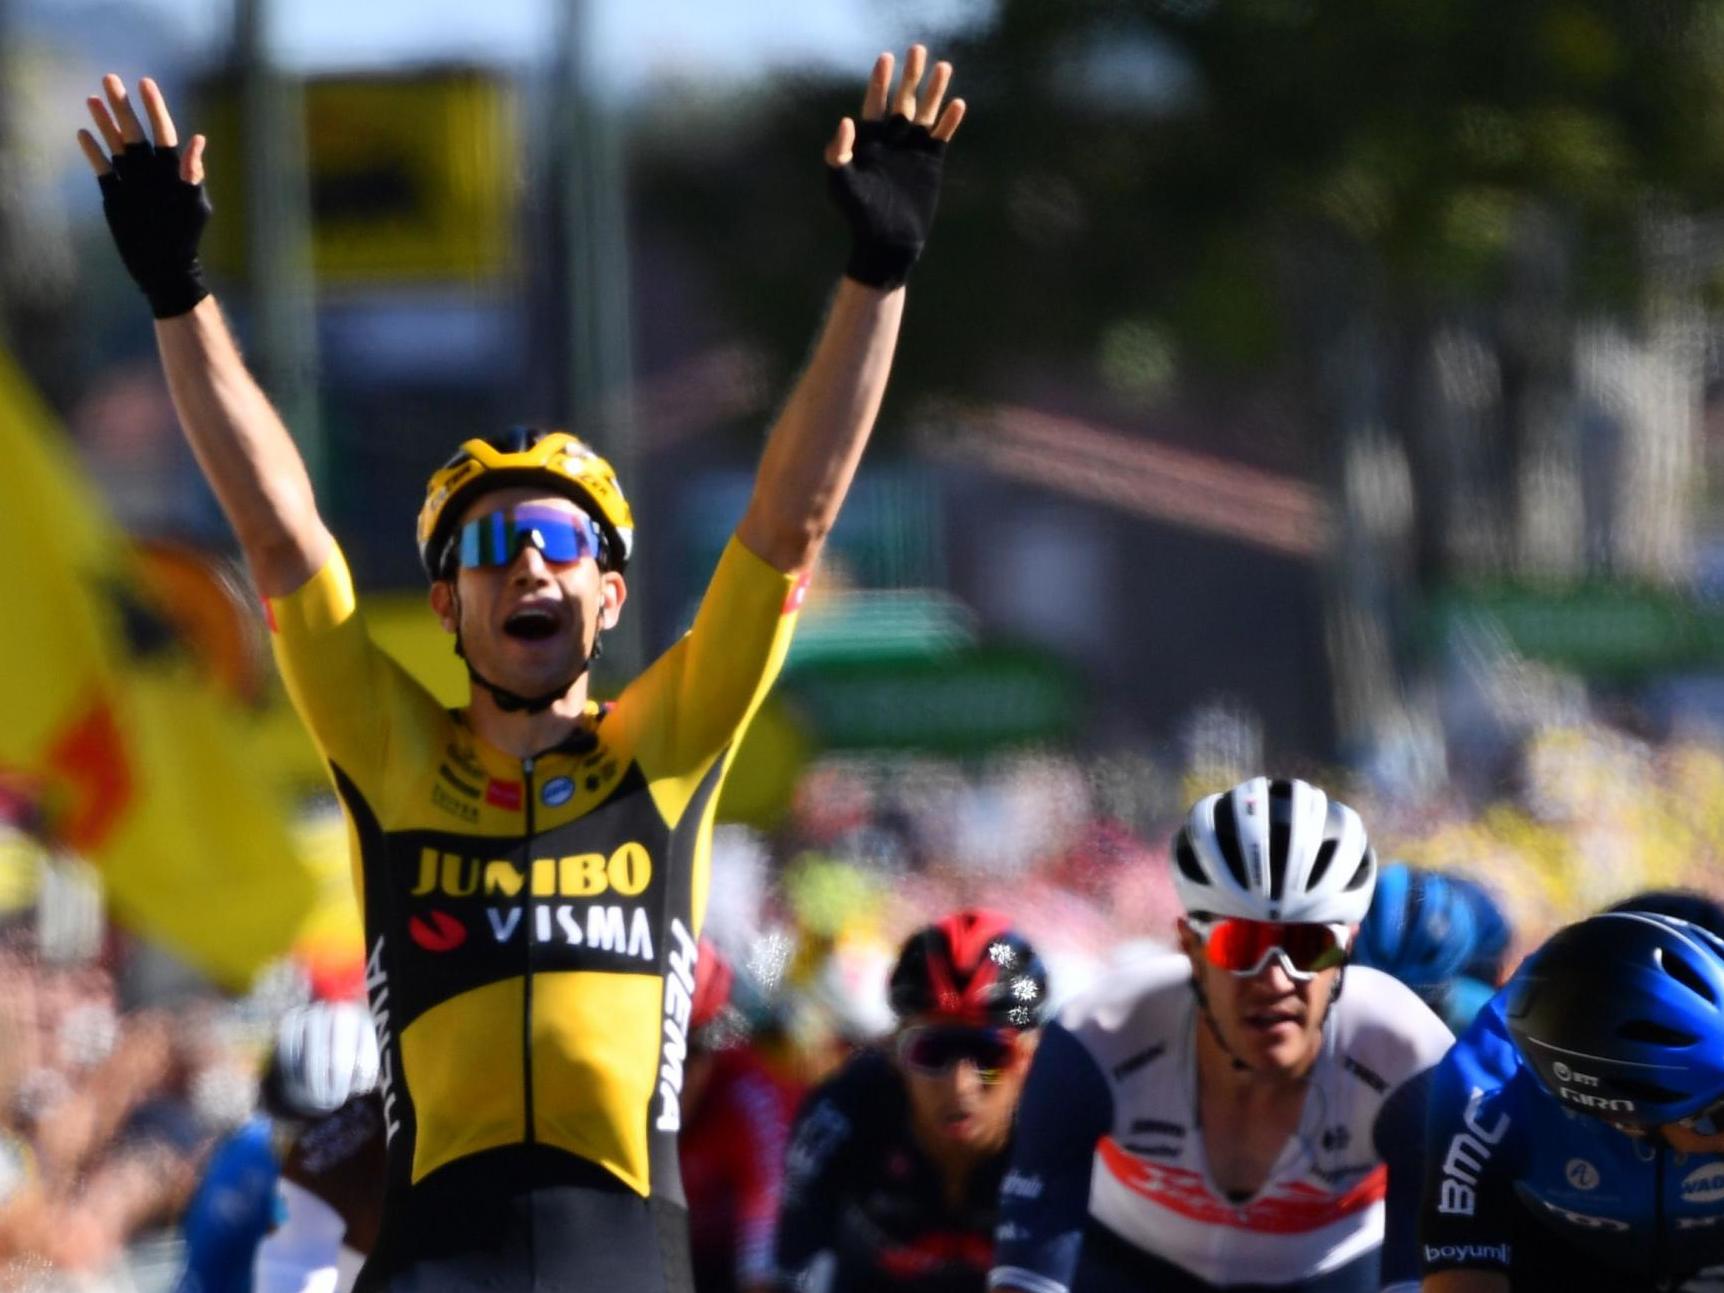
<point x="154" y="200"/>
<point x="885" y="176"/>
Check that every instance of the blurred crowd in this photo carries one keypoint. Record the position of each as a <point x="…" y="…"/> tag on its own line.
<point x="116" y="1081"/>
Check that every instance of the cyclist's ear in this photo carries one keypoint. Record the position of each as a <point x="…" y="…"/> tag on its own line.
<point x="1191" y="945"/>
<point x="613" y="592"/>
<point x="1188" y="941"/>
<point x="443" y="603"/>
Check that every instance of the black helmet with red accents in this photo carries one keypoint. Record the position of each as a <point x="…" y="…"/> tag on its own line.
<point x="971" y="968"/>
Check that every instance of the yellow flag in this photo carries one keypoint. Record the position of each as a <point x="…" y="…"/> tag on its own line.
<point x="133" y="759"/>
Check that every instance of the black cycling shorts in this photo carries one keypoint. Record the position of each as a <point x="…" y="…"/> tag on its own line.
<point x="516" y="1221"/>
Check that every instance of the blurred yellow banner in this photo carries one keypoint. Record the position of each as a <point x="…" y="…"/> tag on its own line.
<point x="412" y="177"/>
<point x="136" y="761"/>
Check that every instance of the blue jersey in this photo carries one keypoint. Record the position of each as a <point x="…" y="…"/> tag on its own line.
<point x="1518" y="1183"/>
<point x="234" y="1208"/>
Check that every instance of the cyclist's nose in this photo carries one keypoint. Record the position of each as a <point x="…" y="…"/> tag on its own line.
<point x="966" y="1078"/>
<point x="529" y="561"/>
<point x="1274" y="976"/>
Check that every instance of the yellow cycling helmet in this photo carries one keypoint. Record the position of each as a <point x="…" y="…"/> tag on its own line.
<point x="522" y="455"/>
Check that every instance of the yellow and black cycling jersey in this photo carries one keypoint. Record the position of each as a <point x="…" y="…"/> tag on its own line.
<point x="530" y="924"/>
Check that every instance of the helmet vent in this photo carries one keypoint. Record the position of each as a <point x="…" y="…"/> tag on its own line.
<point x="1654" y="1034"/>
<point x="1280" y="836"/>
<point x="1678" y="968"/>
<point x="1185" y="857"/>
<point x="1227" y="840"/>
<point x="1362" y="877"/>
<point x="1320" y="867"/>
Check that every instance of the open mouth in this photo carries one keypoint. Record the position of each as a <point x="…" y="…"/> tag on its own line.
<point x="1270" y="1019"/>
<point x="531" y="624"/>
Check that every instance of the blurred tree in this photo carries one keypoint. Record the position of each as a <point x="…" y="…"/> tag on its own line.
<point x="1453" y="237"/>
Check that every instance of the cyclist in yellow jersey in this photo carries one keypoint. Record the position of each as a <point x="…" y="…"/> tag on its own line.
<point x="532" y="867"/>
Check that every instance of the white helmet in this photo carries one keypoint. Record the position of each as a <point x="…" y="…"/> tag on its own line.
<point x="325" y="1054"/>
<point x="1275" y="850"/>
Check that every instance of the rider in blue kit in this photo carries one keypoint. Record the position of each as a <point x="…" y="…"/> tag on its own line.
<point x="1574" y="1131"/>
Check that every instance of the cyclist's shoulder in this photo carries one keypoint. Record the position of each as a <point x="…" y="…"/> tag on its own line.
<point x="1483" y="1070"/>
<point x="858" y="1113"/>
<point x="243" y="1154"/>
<point x="1381" y="1022"/>
<point x="867" y="1088"/>
<point x="349" y="1138"/>
<point x="1135" y="1004"/>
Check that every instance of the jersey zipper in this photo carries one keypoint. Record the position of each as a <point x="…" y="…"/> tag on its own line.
<point x="527" y="917"/>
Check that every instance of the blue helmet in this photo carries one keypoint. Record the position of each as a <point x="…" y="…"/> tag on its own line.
<point x="1622" y="1017"/>
<point x="1492" y="932"/>
<point x="1685" y="904"/>
<point x="1421" y="928"/>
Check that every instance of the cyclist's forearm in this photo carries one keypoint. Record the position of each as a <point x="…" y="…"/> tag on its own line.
<point x="814" y="448"/>
<point x="245" y="451"/>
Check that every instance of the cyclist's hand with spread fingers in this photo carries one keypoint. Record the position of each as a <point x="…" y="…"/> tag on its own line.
<point x="885" y="170"/>
<point x="152" y="194"/>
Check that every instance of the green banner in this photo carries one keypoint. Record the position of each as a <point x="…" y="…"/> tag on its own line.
<point x="966" y="702"/>
<point x="1598" y="629"/>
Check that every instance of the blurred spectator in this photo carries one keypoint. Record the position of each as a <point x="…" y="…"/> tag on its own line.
<point x="735" y="1126"/>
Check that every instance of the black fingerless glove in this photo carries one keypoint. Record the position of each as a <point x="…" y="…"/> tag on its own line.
<point x="887" y="191"/>
<point x="156" y="219"/>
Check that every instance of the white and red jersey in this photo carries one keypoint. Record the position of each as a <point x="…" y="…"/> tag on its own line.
<point x="1109" y="1143"/>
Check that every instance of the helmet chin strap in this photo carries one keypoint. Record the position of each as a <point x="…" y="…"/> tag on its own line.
<point x="1239" y="1065"/>
<point x="512" y="702"/>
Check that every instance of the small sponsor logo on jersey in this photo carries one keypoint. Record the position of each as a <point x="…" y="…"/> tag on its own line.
<point x="377" y="997"/>
<point x="1132" y="1063"/>
<point x="1369" y="1076"/>
<point x="1584" y="1220"/>
<point x="1466" y="1253"/>
<point x="453" y="804"/>
<point x="678" y="1001"/>
<point x="503" y="794"/>
<point x="1021" y="1185"/>
<point x="1705" y="1184"/>
<point x="1469" y="1151"/>
<point x="1343" y="1172"/>
<point x="1581" y="1174"/>
<point x="436" y="931"/>
<point x="557" y="791"/>
<point x="798" y="593"/>
<point x="466" y="762"/>
<point x="460" y="782"/>
<point x="626" y="872"/>
<point x="817" y="1138"/>
<point x="1337" y="1138"/>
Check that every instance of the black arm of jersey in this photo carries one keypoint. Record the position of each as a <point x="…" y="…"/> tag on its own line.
<point x="1066" y="1108"/>
<point x="1466" y="1218"/>
<point x="816" y="1166"/>
<point x="1399" y="1136"/>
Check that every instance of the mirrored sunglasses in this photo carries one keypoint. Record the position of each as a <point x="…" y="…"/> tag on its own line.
<point x="1244" y="947"/>
<point x="496" y="538"/>
<point x="937" y="1050"/>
